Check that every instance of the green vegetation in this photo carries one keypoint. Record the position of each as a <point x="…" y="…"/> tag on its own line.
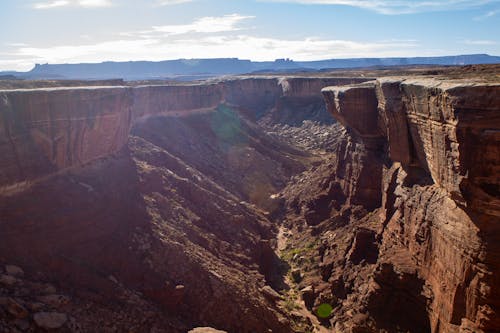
<point x="307" y="251"/>
<point x="300" y="259"/>
<point x="311" y="245"/>
<point x="288" y="254"/>
<point x="290" y="301"/>
<point x="324" y="310"/>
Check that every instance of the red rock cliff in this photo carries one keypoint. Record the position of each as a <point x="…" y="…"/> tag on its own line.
<point x="46" y="130"/>
<point x="427" y="153"/>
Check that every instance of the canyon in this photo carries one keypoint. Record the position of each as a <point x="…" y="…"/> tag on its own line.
<point x="247" y="203"/>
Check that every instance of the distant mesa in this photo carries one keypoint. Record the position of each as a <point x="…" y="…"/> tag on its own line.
<point x="192" y="69"/>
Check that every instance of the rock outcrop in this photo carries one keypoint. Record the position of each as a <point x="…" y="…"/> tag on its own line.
<point x="50" y="320"/>
<point x="408" y="214"/>
<point x="205" y="330"/>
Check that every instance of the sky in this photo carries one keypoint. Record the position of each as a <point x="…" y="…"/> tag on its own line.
<point x="76" y="31"/>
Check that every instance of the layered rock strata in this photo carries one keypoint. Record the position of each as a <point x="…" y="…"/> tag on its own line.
<point x="43" y="131"/>
<point x="423" y="157"/>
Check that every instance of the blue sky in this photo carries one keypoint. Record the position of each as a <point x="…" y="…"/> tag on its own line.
<point x="72" y="31"/>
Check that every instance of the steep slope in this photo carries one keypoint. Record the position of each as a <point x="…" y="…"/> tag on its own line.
<point x="147" y="222"/>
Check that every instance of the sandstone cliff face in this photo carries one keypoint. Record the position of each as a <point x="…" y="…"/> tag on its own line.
<point x="47" y="130"/>
<point x="427" y="153"/>
<point x="308" y="87"/>
<point x="43" y="131"/>
<point x="254" y="95"/>
<point x="178" y="100"/>
<point x="298" y="99"/>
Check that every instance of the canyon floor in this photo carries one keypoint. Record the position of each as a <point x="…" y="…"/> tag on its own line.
<point x="253" y="205"/>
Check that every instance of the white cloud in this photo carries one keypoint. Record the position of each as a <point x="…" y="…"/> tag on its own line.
<point x="215" y="37"/>
<point x="76" y="3"/>
<point x="16" y="64"/>
<point x="119" y="50"/>
<point x="264" y="48"/>
<point x="208" y="46"/>
<point x="171" y="2"/>
<point x="487" y="15"/>
<point x="209" y="24"/>
<point x="15" y="44"/>
<point x="94" y="3"/>
<point x="480" y="42"/>
<point x="51" y="4"/>
<point x="394" y="7"/>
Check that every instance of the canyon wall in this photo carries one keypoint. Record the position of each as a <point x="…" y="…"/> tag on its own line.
<point x="405" y="215"/>
<point x="46" y="130"/>
<point x="423" y="155"/>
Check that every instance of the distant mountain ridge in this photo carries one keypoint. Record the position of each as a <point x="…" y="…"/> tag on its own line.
<point x="200" y="68"/>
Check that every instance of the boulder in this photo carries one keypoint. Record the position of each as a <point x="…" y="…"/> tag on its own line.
<point x="14" y="270"/>
<point x="270" y="293"/>
<point x="54" y="300"/>
<point x="205" y="330"/>
<point x="16" y="309"/>
<point x="7" y="280"/>
<point x="296" y="275"/>
<point x="50" y="320"/>
<point x="308" y="296"/>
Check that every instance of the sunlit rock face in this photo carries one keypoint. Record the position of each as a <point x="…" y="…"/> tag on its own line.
<point x="429" y="152"/>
